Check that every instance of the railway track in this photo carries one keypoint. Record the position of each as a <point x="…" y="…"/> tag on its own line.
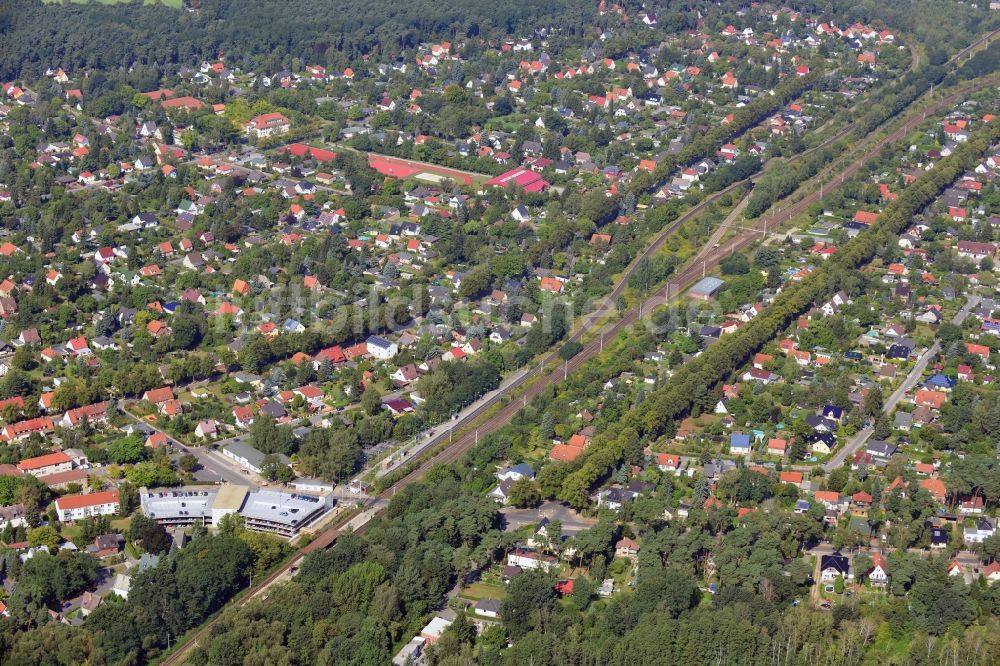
<point x="687" y="276"/>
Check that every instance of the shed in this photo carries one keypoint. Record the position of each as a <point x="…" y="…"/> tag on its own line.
<point x="706" y="288"/>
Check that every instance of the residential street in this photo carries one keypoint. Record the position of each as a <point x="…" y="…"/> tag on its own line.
<point x="911" y="380"/>
<point x="212" y="467"/>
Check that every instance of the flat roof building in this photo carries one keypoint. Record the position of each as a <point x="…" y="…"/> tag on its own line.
<point x="178" y="508"/>
<point x="262" y="510"/>
<point x="281" y="513"/>
<point x="230" y="499"/>
<point x="706" y="288"/>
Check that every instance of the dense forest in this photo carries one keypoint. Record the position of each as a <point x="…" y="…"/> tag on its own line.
<point x="266" y="36"/>
<point x="34" y="36"/>
<point x="351" y="603"/>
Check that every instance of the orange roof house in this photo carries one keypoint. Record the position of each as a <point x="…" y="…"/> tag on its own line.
<point x="565" y="452"/>
<point x="185" y="102"/>
<point x="160" y="395"/>
<point x="932" y="399"/>
<point x="44" y="461"/>
<point x="795" y="478"/>
<point x="936" y="488"/>
<point x="550" y="284"/>
<point x="865" y="217"/>
<point x="776" y="446"/>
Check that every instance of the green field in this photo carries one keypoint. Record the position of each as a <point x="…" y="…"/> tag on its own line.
<point x="177" y="4"/>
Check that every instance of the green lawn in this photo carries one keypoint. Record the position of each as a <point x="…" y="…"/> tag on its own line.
<point x="478" y="591"/>
<point x="176" y="4"/>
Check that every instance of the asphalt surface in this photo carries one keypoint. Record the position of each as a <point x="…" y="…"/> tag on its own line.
<point x="572" y="522"/>
<point x="212" y="467"/>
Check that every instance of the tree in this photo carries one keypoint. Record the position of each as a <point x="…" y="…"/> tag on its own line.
<point x="371" y="401"/>
<point x="275" y="470"/>
<point x="151" y="474"/>
<point x="837" y="479"/>
<point x="862" y="565"/>
<point x="188" y="462"/>
<point x="583" y="592"/>
<point x="503" y="106"/>
<point x="553" y="534"/>
<point x="126" y="450"/>
<point x="570" y="349"/>
<point x="524" y="493"/>
<point x="734" y="264"/>
<point x="668" y="590"/>
<point x="621" y="305"/>
<point x="148" y="533"/>
<point x="882" y="427"/>
<point x="330" y="454"/>
<point x="232" y="524"/>
<point x="268" y="437"/>
<point x="475" y="282"/>
<point x="874" y="401"/>
<point x="547" y="429"/>
<point x="528" y="596"/>
<point x="797" y="451"/>
<point x="766" y="257"/>
<point x="990" y="547"/>
<point x="44" y="536"/>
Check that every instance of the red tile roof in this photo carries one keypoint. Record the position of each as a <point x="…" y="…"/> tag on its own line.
<point x="89" y="499"/>
<point x="47" y="460"/>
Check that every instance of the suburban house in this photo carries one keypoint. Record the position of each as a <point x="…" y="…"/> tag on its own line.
<point x="879" y="573"/>
<point x="381" y="348"/>
<point x="833" y="566"/>
<point x="983" y="529"/>
<point x="627" y="548"/>
<point x="739" y="444"/>
<point x="50" y="463"/>
<point x="529" y="559"/>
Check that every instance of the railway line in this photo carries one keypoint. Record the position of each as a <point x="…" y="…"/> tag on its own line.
<point x="536" y="381"/>
<point x="709" y="258"/>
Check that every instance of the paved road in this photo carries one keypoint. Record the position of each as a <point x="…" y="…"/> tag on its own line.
<point x="211" y="467"/>
<point x="572" y="522"/>
<point x="911" y="380"/>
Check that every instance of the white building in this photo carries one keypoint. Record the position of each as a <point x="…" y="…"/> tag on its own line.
<point x="269" y="124"/>
<point x="528" y="559"/>
<point x="248" y="457"/>
<point x="78" y="507"/>
<point x="381" y="348"/>
<point x="981" y="531"/>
